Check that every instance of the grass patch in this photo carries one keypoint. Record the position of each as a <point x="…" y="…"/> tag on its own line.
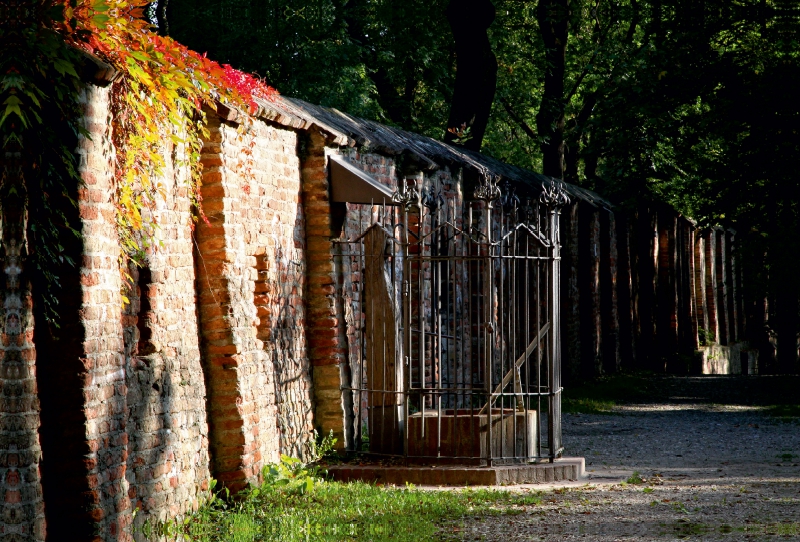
<point x="586" y="406"/>
<point x="331" y="511"/>
<point x="784" y="411"/>
<point x="602" y="394"/>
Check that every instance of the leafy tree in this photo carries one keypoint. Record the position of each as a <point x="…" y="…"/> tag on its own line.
<point x="390" y="61"/>
<point x="691" y="102"/>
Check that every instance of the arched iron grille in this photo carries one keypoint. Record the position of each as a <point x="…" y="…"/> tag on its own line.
<point x="453" y="322"/>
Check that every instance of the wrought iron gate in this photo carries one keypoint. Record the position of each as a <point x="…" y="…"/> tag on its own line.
<point x="452" y="311"/>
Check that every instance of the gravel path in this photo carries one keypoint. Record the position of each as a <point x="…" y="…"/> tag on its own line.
<point x="710" y="471"/>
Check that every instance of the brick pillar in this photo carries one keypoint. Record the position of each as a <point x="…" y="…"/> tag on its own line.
<point x="691" y="290"/>
<point x="20" y="452"/>
<point x="243" y="416"/>
<point x="327" y="344"/>
<point x="646" y="250"/>
<point x="720" y="255"/>
<point x="625" y="293"/>
<point x="684" y="288"/>
<point x="589" y="284"/>
<point x="667" y="314"/>
<point x="700" y="281"/>
<point x="734" y="309"/>
<point x="81" y="368"/>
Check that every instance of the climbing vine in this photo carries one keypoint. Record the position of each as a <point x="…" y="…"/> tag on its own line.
<point x="157" y="104"/>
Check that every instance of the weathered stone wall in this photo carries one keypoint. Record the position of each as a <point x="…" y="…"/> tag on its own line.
<point x="662" y="284"/>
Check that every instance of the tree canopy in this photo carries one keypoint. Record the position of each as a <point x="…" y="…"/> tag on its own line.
<point x="623" y="96"/>
<point x="691" y="102"/>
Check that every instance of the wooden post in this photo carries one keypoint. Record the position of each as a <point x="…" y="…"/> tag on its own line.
<point x="383" y="347"/>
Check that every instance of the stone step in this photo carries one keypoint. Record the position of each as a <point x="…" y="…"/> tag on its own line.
<point x="563" y="469"/>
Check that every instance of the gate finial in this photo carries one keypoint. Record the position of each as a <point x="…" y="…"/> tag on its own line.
<point x="488" y="190"/>
<point x="554" y="195"/>
<point x="407" y="194"/>
<point x="509" y="199"/>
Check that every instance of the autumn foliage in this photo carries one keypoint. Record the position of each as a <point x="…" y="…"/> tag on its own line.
<point x="159" y="98"/>
<point x="157" y="109"/>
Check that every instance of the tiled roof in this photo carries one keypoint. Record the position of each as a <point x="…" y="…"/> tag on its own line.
<point x="429" y="154"/>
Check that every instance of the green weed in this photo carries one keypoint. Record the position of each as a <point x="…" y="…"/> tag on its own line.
<point x="635" y="478"/>
<point x="295" y="503"/>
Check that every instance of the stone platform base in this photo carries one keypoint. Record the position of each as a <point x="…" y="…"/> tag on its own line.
<point x="564" y="469"/>
<point x="736" y="359"/>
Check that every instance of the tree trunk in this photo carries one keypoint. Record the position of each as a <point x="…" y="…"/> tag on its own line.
<point x="476" y="72"/>
<point x="783" y="275"/>
<point x="553" y="18"/>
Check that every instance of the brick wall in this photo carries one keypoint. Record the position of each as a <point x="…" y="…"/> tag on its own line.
<point x="80" y="366"/>
<point x="20" y="451"/>
<point x="102" y="358"/>
<point x="250" y="282"/>
<point x="121" y="388"/>
<point x="167" y="430"/>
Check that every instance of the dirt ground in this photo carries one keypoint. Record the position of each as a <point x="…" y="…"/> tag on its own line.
<point x="712" y="463"/>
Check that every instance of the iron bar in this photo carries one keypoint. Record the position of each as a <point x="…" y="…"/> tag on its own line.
<point x="473" y="294"/>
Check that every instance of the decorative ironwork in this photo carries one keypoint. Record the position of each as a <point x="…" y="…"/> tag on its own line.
<point x="509" y="199"/>
<point x="453" y="332"/>
<point x="554" y="195"/>
<point x="488" y="189"/>
<point x="527" y="213"/>
<point x="407" y="194"/>
<point x="432" y="199"/>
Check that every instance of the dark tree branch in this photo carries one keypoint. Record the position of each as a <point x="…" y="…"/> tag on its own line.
<point x="161" y="17"/>
<point x="582" y="75"/>
<point x="634" y="21"/>
<point x="396" y="105"/>
<point x="516" y="118"/>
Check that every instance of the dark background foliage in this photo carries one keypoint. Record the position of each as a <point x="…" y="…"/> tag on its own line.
<point x="690" y="102"/>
